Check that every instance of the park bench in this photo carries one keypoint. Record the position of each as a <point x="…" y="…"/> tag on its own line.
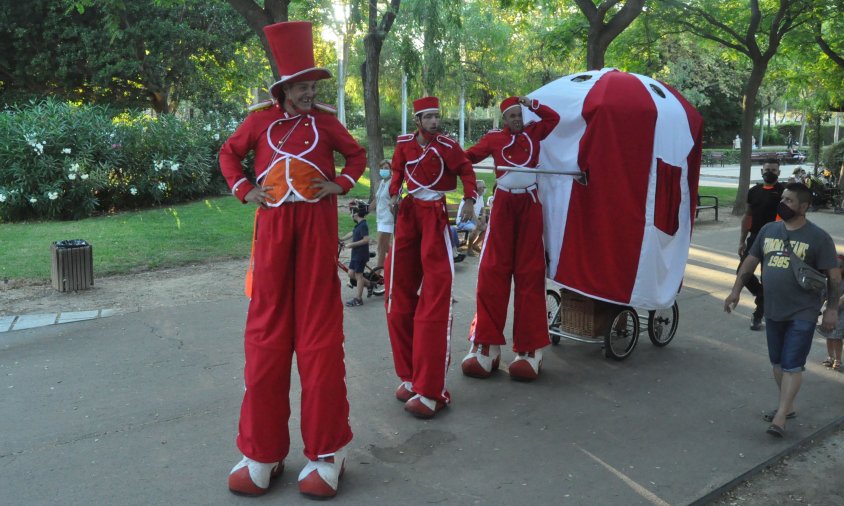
<point x="716" y="157"/>
<point x="711" y="203"/>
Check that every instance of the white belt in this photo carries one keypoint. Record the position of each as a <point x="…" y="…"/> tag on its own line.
<point x="518" y="191"/>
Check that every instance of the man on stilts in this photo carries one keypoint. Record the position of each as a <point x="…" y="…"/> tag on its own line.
<point x="419" y="269"/>
<point x="295" y="304"/>
<point x="513" y="247"/>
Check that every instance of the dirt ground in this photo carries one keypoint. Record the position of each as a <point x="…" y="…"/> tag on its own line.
<point x="809" y="476"/>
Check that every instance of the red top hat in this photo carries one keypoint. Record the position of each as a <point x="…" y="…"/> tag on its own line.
<point x="426" y="104"/>
<point x="292" y="45"/>
<point x="509" y="103"/>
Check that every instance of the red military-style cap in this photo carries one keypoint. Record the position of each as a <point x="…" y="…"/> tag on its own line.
<point x="292" y="46"/>
<point x="426" y="104"/>
<point x="509" y="103"/>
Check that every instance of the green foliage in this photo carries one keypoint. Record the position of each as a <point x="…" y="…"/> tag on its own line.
<point x="60" y="161"/>
<point x="833" y="157"/>
<point x="146" y="53"/>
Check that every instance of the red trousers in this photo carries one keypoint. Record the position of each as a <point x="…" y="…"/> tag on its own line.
<point x="295" y="308"/>
<point x="513" y="250"/>
<point x="419" y="321"/>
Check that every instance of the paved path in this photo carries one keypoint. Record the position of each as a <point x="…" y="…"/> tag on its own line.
<point x="142" y="408"/>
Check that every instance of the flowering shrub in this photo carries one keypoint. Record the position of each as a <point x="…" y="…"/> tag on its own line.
<point x="61" y="161"/>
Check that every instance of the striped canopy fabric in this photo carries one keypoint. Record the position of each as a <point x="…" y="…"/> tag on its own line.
<point x="623" y="238"/>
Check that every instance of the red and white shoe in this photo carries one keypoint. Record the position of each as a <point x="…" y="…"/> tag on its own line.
<point x="423" y="407"/>
<point x="250" y="477"/>
<point x="482" y="360"/>
<point x="320" y="478"/>
<point x="526" y="366"/>
<point x="405" y="391"/>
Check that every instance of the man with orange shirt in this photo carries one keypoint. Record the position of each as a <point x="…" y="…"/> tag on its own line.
<point x="762" y="202"/>
<point x="513" y="248"/>
<point x="295" y="304"/>
<point x="419" y="270"/>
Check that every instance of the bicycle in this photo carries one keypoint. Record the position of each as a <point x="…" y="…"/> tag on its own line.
<point x="374" y="276"/>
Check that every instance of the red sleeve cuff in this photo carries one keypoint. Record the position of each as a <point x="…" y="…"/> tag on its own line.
<point x="345" y="181"/>
<point x="241" y="189"/>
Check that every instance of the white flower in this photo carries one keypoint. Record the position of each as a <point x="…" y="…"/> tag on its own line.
<point x="162" y="186"/>
<point x="133" y="190"/>
<point x="71" y="176"/>
<point x="83" y="177"/>
<point x="53" y="195"/>
<point x="32" y="200"/>
<point x="207" y="127"/>
<point x="158" y="165"/>
<point x="66" y="151"/>
<point x="2" y="197"/>
<point x="74" y="167"/>
<point x="216" y="137"/>
<point x="38" y="147"/>
<point x="174" y="166"/>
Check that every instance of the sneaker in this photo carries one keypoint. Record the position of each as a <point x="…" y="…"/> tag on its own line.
<point x="320" y="478"/>
<point x="250" y="477"/>
<point x="354" y="302"/>
<point x="482" y="360"/>
<point x="756" y="323"/>
<point x="526" y="366"/>
<point x="405" y="391"/>
<point x="423" y="407"/>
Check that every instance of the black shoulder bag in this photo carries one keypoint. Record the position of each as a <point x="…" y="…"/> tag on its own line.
<point x="808" y="278"/>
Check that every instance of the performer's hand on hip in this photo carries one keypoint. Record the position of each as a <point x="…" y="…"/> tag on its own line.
<point x="326" y="188"/>
<point x="259" y="195"/>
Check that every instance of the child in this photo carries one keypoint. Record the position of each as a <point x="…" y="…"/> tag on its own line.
<point x="835" y="339"/>
<point x="360" y="250"/>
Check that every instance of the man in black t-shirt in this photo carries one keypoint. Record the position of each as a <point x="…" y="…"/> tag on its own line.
<point x="762" y="202"/>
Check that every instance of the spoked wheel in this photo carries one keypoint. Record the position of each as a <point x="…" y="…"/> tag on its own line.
<point x="376" y="279"/>
<point x="552" y="306"/>
<point x="622" y="335"/>
<point x="662" y="325"/>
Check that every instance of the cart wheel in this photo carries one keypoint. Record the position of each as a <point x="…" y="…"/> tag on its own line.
<point x="552" y="306"/>
<point x="662" y="325"/>
<point x="622" y="335"/>
<point x="376" y="278"/>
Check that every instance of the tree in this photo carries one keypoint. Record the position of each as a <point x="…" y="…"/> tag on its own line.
<point x="373" y="42"/>
<point x="257" y="17"/>
<point x="131" y="54"/>
<point x="752" y="31"/>
<point x="602" y="30"/>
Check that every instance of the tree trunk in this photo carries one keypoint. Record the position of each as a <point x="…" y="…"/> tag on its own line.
<point x="748" y="120"/>
<point x="371" y="101"/>
<point x="370" y="70"/>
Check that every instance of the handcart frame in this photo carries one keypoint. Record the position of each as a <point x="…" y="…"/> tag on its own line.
<point x="616" y="327"/>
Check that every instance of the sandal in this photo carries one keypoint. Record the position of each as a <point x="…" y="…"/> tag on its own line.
<point x="828" y="362"/>
<point x="776" y="431"/>
<point x="354" y="302"/>
<point x="836" y="365"/>
<point x="769" y="416"/>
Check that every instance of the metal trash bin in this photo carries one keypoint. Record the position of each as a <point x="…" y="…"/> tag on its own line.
<point x="72" y="265"/>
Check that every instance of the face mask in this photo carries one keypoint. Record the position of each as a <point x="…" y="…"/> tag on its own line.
<point x="384" y="173"/>
<point x="769" y="177"/>
<point x="785" y="212"/>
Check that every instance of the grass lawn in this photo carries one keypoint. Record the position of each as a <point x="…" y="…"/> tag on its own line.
<point x="211" y="229"/>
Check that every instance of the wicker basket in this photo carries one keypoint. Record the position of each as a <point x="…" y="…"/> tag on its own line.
<point x="583" y="316"/>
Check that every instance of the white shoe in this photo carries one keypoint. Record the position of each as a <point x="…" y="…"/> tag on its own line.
<point x="482" y="360"/>
<point x="526" y="366"/>
<point x="250" y="477"/>
<point x="320" y="478"/>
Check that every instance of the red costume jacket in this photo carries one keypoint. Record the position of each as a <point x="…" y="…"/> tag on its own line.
<point x="315" y="136"/>
<point x="435" y="167"/>
<point x="516" y="150"/>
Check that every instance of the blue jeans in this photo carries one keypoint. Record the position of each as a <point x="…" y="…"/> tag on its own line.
<point x="789" y="343"/>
